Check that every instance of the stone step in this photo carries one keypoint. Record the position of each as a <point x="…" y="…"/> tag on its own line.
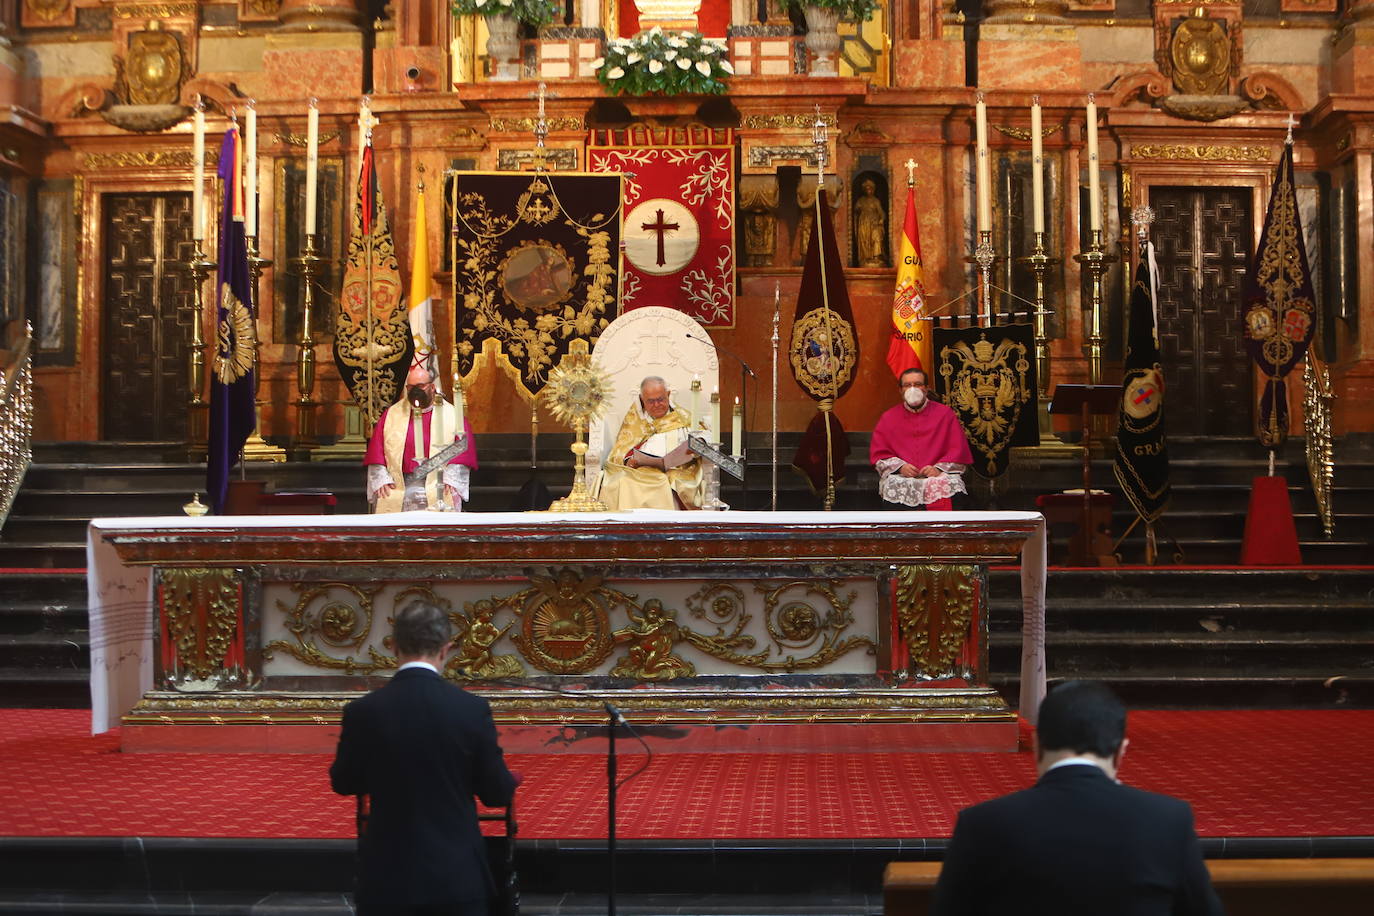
<point x="18" y="617"/>
<point x="32" y="687"/>
<point x="46" y="650"/>
<point x="1275" y="687"/>
<point x="42" y="555"/>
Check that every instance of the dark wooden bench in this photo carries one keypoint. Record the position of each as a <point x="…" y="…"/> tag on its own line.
<point x="1248" y="887"/>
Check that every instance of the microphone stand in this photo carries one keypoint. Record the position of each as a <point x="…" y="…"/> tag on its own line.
<point x="745" y="372"/>
<point x="614" y="718"/>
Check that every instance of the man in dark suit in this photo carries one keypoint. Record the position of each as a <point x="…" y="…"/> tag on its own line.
<point x="1078" y="843"/>
<point x="421" y="748"/>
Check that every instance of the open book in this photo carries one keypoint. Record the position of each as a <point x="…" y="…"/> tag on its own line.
<point x="665" y="450"/>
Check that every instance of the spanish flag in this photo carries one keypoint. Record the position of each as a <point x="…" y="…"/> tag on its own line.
<point x="911" y="344"/>
<point x="421" y="305"/>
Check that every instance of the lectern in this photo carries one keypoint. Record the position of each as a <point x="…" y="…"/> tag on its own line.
<point x="1093" y="543"/>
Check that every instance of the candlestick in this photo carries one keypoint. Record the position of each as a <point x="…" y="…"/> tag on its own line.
<point x="256" y="448"/>
<point x="715" y="417"/>
<point x="250" y="171"/>
<point x="984" y="255"/>
<point x="307" y="265"/>
<point x="201" y="268"/>
<point x="696" y="402"/>
<point x="984" y="169"/>
<point x="737" y="430"/>
<point x="1037" y="170"/>
<point x="1095" y="261"/>
<point x="777" y="300"/>
<point x="198" y="171"/>
<point x="1039" y="261"/>
<point x="1094" y="179"/>
<point x="312" y="165"/>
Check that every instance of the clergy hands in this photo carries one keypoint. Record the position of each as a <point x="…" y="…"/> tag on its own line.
<point x="385" y="490"/>
<point x="931" y="470"/>
<point x="452" y="494"/>
<point x="909" y="470"/>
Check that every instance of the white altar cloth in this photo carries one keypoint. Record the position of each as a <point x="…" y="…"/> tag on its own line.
<point x="121" y="601"/>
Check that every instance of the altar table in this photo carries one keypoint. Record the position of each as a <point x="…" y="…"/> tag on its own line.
<point x="678" y="618"/>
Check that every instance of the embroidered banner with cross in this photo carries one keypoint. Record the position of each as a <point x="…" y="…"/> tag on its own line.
<point x="679" y="216"/>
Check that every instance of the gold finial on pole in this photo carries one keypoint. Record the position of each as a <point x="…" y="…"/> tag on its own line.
<point x="910" y="173"/>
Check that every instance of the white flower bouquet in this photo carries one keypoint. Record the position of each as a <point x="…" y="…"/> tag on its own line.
<point x="534" y="12"/>
<point x="664" y="63"/>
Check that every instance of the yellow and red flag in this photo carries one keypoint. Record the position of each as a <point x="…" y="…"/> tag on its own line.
<point x="911" y="344"/>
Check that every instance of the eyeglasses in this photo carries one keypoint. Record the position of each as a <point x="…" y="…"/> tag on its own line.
<point x="662" y="400"/>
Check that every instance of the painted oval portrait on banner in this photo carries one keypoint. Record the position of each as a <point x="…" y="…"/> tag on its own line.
<point x="537" y="276"/>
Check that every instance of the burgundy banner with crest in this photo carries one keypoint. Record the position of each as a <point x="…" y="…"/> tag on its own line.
<point x="679" y="226"/>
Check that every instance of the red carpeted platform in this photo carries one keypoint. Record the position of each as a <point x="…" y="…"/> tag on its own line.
<point x="1247" y="773"/>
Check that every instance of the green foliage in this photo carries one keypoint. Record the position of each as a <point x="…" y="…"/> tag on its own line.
<point x="850" y="10"/>
<point x="664" y="63"/>
<point x="534" y="12"/>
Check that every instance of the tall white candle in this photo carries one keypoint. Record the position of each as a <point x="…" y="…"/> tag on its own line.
<point x="696" y="402"/>
<point x="458" y="409"/>
<point x="198" y="170"/>
<point x="250" y="171"/>
<point x="715" y="416"/>
<point x="1037" y="169"/>
<point x="1094" y="179"/>
<point x="737" y="429"/>
<point x="312" y="164"/>
<point x="984" y="169"/>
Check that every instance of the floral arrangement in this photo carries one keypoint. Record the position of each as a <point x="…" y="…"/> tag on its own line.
<point x="667" y="63"/>
<point x="534" y="12"/>
<point x="849" y="10"/>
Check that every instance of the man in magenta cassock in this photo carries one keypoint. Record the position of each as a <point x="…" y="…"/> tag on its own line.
<point x="919" y="449"/>
<point x="420" y="423"/>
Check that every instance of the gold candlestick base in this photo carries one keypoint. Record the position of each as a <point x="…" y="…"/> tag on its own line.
<point x="197" y="419"/>
<point x="1096" y="262"/>
<point x="257" y="448"/>
<point x="307" y="265"/>
<point x="580" y="499"/>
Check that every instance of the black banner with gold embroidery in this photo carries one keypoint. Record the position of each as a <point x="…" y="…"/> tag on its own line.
<point x="1142" y="458"/>
<point x="538" y="264"/>
<point x="824" y="352"/>
<point x="987" y="376"/>
<point x="1280" y="307"/>
<point x="372" y="340"/>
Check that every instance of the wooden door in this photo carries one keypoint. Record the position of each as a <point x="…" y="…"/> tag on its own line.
<point x="147" y="309"/>
<point x="1204" y="241"/>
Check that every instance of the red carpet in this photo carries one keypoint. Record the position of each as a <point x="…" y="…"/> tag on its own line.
<point x="1247" y="773"/>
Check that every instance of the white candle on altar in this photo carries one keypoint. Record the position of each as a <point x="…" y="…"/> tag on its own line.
<point x="312" y="164"/>
<point x="1037" y="169"/>
<point x="1094" y="180"/>
<point x="984" y="169"/>
<point x="250" y="171"/>
<point x="198" y="170"/>
<point x="737" y="429"/>
<point x="715" y="416"/>
<point x="696" y="402"/>
<point x="458" y="409"/>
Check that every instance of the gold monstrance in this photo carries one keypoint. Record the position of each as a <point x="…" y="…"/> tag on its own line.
<point x="577" y="393"/>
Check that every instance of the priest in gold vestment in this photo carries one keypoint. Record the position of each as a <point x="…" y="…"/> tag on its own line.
<point x="634" y="480"/>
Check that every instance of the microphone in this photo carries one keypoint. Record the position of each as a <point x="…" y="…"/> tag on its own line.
<point x="726" y="350"/>
<point x="614" y="712"/>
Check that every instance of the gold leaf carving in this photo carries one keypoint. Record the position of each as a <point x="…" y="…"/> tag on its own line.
<point x="1023" y="133"/>
<point x="788" y="121"/>
<point x="934" y="609"/>
<point x="147" y="159"/>
<point x="154" y="10"/>
<point x="526" y="125"/>
<point x="201" y="610"/>
<point x="301" y="141"/>
<point x="1201" y="153"/>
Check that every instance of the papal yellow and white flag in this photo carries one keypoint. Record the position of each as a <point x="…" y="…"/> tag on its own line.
<point x="421" y="304"/>
<point x="911" y="344"/>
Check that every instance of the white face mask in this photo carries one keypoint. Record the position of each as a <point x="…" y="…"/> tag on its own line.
<point x="914" y="397"/>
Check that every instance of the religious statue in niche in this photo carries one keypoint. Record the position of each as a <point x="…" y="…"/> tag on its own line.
<point x="806" y="203"/>
<point x="870" y="225"/>
<point x="758" y="203"/>
<point x="153" y="66"/>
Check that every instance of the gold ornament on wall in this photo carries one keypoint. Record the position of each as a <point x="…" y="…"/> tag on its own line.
<point x="1200" y="55"/>
<point x="153" y="66"/>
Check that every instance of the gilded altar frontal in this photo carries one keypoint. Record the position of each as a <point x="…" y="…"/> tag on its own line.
<point x="1192" y="102"/>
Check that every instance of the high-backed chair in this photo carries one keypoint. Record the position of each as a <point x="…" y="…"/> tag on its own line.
<point x="650" y="341"/>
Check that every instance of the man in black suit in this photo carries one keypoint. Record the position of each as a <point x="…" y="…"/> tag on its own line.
<point x="421" y="748"/>
<point x="1078" y="843"/>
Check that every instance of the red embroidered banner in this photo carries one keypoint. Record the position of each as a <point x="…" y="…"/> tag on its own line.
<point x="679" y="227"/>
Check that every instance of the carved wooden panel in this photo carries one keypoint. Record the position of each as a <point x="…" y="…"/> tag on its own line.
<point x="1204" y="243"/>
<point x="147" y="312"/>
